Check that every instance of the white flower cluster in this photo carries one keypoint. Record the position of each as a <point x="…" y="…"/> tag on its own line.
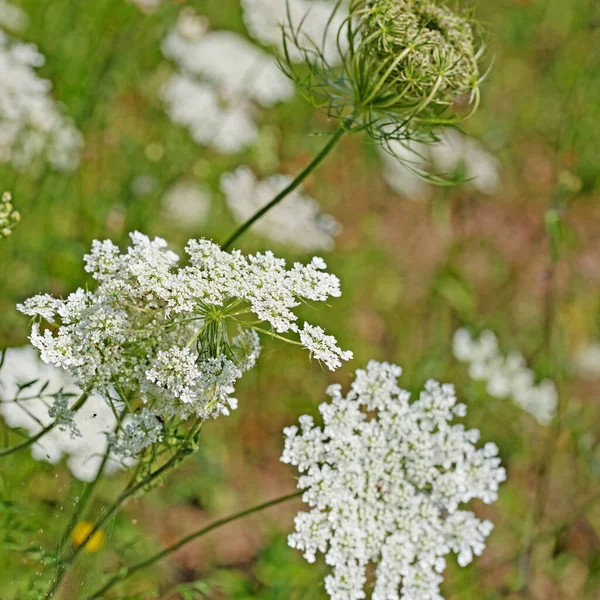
<point x="159" y="329"/>
<point x="386" y="479"/>
<point x="310" y="23"/>
<point x="12" y="17"/>
<point x="187" y="205"/>
<point x="31" y="123"/>
<point x="223" y="77"/>
<point x="33" y="394"/>
<point x="141" y="431"/>
<point x="147" y="6"/>
<point x="506" y="376"/>
<point x="586" y="361"/>
<point x="453" y="152"/>
<point x="296" y="221"/>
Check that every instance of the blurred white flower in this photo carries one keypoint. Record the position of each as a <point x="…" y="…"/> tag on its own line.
<point x="506" y="376"/>
<point x="31" y="123"/>
<point x="12" y="17"/>
<point x="226" y="125"/>
<point x="187" y="205"/>
<point x="223" y="79"/>
<point x="147" y="6"/>
<point x="453" y="151"/>
<point x="296" y="221"/>
<point x="586" y="361"/>
<point x="310" y="20"/>
<point x="387" y="480"/>
<point x="232" y="64"/>
<point x="82" y="436"/>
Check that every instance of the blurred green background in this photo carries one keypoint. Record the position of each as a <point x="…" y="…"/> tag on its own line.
<point x="411" y="274"/>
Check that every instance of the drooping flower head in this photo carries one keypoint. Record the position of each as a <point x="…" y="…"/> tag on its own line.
<point x="387" y="480"/>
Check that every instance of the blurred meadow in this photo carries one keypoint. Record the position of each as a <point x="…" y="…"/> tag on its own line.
<point x="522" y="260"/>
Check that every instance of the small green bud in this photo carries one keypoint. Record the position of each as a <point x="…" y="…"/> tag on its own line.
<point x="9" y="217"/>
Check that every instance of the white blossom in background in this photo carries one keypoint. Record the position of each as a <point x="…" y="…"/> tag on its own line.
<point x="146" y="6"/>
<point x="232" y="64"/>
<point x="187" y="205"/>
<point x="506" y="376"/>
<point x="387" y="480"/>
<point x="310" y="21"/>
<point x="586" y="361"/>
<point x="296" y="221"/>
<point x="225" y="124"/>
<point x="224" y="79"/>
<point x="12" y="17"/>
<point x="82" y="436"/>
<point x="162" y="332"/>
<point x="452" y="151"/>
<point x="32" y="125"/>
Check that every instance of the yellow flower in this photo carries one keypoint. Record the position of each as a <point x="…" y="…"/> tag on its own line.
<point x="82" y="531"/>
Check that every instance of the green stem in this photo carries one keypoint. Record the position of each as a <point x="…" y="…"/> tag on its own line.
<point x="40" y="434"/>
<point x="127" y="493"/>
<point x="85" y="499"/>
<point x="124" y="574"/>
<point x="335" y="138"/>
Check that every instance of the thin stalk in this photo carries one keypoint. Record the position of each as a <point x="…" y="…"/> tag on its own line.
<point x="126" y="573"/>
<point x="85" y="499"/>
<point x="335" y="138"/>
<point x="40" y="434"/>
<point x="127" y="493"/>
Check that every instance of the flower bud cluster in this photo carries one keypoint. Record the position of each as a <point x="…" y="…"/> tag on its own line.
<point x="9" y="217"/>
<point x="386" y="479"/>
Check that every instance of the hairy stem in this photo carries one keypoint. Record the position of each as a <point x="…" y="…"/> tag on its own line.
<point x="126" y="573"/>
<point x="40" y="434"/>
<point x="335" y="138"/>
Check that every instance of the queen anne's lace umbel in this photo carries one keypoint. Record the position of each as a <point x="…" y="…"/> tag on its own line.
<point x="34" y="394"/>
<point x="506" y="376"/>
<point x="223" y="78"/>
<point x="296" y="221"/>
<point x="386" y="480"/>
<point x="155" y="328"/>
<point x="31" y="123"/>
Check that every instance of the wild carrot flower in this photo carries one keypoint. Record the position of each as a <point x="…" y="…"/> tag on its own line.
<point x="32" y="125"/>
<point x="451" y="155"/>
<point x="296" y="222"/>
<point x="386" y="479"/>
<point x="406" y="63"/>
<point x="223" y="78"/>
<point x="506" y="376"/>
<point x="316" y="21"/>
<point x="163" y="333"/>
<point x="33" y="394"/>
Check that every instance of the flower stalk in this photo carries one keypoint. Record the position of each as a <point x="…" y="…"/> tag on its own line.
<point x="129" y="571"/>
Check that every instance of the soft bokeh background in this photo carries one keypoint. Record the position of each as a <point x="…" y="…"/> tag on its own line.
<point x="411" y="272"/>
